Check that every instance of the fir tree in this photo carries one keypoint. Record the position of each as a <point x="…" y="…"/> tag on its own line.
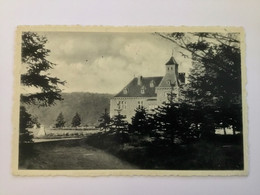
<point x="34" y="59"/>
<point x="119" y="126"/>
<point x="34" y="56"/>
<point x="172" y="123"/>
<point x="25" y="123"/>
<point x="104" y="120"/>
<point x="76" y="121"/>
<point x="214" y="84"/>
<point x="140" y="122"/>
<point x="60" y="122"/>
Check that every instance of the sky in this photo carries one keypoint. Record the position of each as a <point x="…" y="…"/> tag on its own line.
<point x="104" y="62"/>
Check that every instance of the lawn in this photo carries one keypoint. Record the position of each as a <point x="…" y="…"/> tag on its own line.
<point x="100" y="151"/>
<point x="67" y="155"/>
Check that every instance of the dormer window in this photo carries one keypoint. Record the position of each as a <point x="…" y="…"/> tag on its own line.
<point x="143" y="90"/>
<point x="125" y="91"/>
<point x="152" y="83"/>
<point x="169" y="82"/>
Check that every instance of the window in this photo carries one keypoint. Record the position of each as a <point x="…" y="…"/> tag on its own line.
<point x="140" y="104"/>
<point x="125" y="91"/>
<point x="122" y="105"/>
<point x="118" y="105"/>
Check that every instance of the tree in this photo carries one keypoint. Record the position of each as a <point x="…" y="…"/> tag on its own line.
<point x="34" y="59"/>
<point x="60" y="122"/>
<point x="76" y="121"/>
<point x="165" y="123"/>
<point x="34" y="56"/>
<point x="25" y="123"/>
<point x="104" y="120"/>
<point x="140" y="122"/>
<point x="214" y="84"/>
<point x="119" y="126"/>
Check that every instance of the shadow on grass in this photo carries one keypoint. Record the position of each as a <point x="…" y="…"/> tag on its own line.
<point x="214" y="153"/>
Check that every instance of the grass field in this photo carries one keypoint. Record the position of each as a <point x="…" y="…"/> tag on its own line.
<point x="97" y="152"/>
<point x="67" y="154"/>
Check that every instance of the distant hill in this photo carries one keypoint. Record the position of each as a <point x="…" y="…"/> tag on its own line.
<point x="89" y="106"/>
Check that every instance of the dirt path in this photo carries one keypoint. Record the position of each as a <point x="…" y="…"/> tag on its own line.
<point x="71" y="155"/>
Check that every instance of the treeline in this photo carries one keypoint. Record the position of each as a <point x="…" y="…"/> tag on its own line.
<point x="75" y="123"/>
<point x="87" y="105"/>
<point x="170" y="124"/>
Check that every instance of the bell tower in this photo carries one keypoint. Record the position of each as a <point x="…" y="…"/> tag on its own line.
<point x="171" y="74"/>
<point x="170" y="81"/>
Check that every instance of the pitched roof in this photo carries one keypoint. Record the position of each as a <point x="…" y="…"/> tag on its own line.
<point x="171" y="61"/>
<point x="134" y="90"/>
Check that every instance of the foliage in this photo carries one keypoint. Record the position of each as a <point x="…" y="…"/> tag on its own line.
<point x="25" y="123"/>
<point x="214" y="84"/>
<point x="140" y="122"/>
<point x="60" y="122"/>
<point x="118" y="124"/>
<point x="34" y="57"/>
<point x="119" y="127"/>
<point x="172" y="123"/>
<point x="76" y="121"/>
<point x="104" y="120"/>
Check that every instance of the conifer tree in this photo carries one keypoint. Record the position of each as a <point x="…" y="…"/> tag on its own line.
<point x="214" y="84"/>
<point x="76" y="121"/>
<point x="60" y="122"/>
<point x="119" y="126"/>
<point x="104" y="120"/>
<point x="140" y="122"/>
<point x="25" y="123"/>
<point x="34" y="54"/>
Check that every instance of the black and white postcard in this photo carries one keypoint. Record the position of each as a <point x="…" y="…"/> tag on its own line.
<point x="93" y="101"/>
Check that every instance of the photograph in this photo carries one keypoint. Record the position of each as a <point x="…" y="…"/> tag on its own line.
<point x="130" y="101"/>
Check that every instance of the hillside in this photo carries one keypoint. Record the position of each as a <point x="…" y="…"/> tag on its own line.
<point x="89" y="106"/>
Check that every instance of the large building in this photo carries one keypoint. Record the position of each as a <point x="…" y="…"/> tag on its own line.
<point x="148" y="92"/>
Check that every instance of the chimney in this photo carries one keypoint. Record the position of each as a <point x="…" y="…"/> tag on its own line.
<point x="139" y="80"/>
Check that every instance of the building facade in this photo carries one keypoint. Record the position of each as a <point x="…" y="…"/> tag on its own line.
<point x="147" y="92"/>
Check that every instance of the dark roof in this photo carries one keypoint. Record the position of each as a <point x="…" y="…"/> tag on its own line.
<point x="134" y="90"/>
<point x="171" y="61"/>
